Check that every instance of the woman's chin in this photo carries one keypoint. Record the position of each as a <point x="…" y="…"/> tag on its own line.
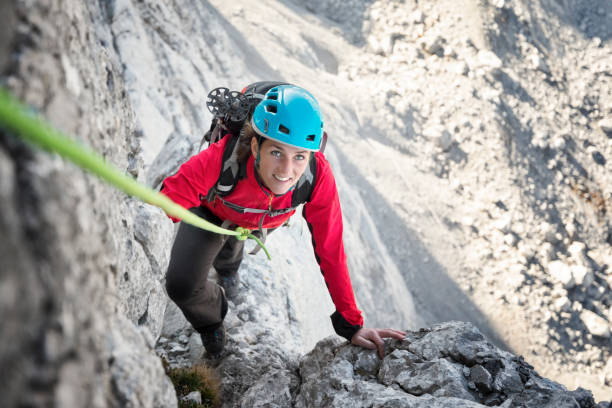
<point x="280" y="188"/>
<point x="280" y="191"/>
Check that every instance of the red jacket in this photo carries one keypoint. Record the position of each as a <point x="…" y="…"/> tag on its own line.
<point x="322" y="213"/>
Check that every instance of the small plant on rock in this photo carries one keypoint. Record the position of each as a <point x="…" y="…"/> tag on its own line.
<point x="200" y="378"/>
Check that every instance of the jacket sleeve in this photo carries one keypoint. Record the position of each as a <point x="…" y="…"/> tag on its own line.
<point x="195" y="177"/>
<point x="324" y="217"/>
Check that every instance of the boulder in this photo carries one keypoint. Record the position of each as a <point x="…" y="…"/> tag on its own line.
<point x="595" y="324"/>
<point x="440" y="136"/>
<point x="563" y="304"/>
<point x="583" y="276"/>
<point x="562" y="273"/>
<point x="434" y="45"/>
<point x="488" y="59"/>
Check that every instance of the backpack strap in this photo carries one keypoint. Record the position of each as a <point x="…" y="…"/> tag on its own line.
<point x="214" y="133"/>
<point x="231" y="171"/>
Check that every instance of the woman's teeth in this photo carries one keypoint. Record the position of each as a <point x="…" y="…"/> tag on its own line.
<point x="281" y="178"/>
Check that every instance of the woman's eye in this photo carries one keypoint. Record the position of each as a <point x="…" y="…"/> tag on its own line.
<point x="300" y="157"/>
<point x="275" y="153"/>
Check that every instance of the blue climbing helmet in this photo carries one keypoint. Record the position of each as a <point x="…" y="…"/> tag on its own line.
<point x="291" y="115"/>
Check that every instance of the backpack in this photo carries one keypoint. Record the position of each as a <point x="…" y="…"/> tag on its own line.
<point x="230" y="109"/>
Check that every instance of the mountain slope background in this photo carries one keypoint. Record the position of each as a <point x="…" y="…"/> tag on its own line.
<point x="471" y="142"/>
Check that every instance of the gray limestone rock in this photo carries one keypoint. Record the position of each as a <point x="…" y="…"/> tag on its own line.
<point x="394" y="363"/>
<point x="481" y="378"/>
<point x="177" y="149"/>
<point x="459" y="340"/>
<point x="507" y="376"/>
<point x="439" y="377"/>
<point x="432" y="373"/>
<point x="194" y="397"/>
<point x="275" y="389"/>
<point x="135" y="371"/>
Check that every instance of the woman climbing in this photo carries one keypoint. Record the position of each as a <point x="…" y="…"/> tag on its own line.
<point x="255" y="181"/>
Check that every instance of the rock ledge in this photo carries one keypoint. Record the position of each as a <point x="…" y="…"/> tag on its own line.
<point x="449" y="365"/>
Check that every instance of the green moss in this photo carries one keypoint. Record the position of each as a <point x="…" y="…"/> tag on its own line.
<point x="196" y="378"/>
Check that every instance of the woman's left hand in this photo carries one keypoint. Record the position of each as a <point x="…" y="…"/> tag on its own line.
<point x="372" y="338"/>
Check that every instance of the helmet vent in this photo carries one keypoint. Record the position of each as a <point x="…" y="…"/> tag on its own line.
<point x="283" y="129"/>
<point x="310" y="138"/>
<point x="271" y="108"/>
<point x="272" y="96"/>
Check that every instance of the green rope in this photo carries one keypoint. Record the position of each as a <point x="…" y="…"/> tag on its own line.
<point x="15" y="118"/>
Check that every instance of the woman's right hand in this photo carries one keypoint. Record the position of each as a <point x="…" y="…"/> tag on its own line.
<point x="372" y="339"/>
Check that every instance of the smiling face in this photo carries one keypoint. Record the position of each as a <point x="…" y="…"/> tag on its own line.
<point x="280" y="165"/>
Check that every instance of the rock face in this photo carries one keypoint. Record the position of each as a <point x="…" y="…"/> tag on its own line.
<point x="448" y="365"/>
<point x="82" y="299"/>
<point x="82" y="265"/>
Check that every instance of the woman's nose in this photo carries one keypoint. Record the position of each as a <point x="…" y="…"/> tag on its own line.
<point x="285" y="166"/>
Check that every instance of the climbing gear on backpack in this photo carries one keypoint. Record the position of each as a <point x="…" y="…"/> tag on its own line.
<point x="230" y="109"/>
<point x="290" y="115"/>
<point x="233" y="106"/>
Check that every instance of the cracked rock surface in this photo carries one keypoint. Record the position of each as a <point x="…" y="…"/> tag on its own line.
<point x="448" y="365"/>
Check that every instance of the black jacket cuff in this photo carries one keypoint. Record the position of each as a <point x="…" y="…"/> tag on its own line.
<point x="342" y="327"/>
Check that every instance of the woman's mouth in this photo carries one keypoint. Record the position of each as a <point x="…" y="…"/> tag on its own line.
<point x="283" y="179"/>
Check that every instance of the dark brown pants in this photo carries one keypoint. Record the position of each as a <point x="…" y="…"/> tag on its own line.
<point x="194" y="252"/>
